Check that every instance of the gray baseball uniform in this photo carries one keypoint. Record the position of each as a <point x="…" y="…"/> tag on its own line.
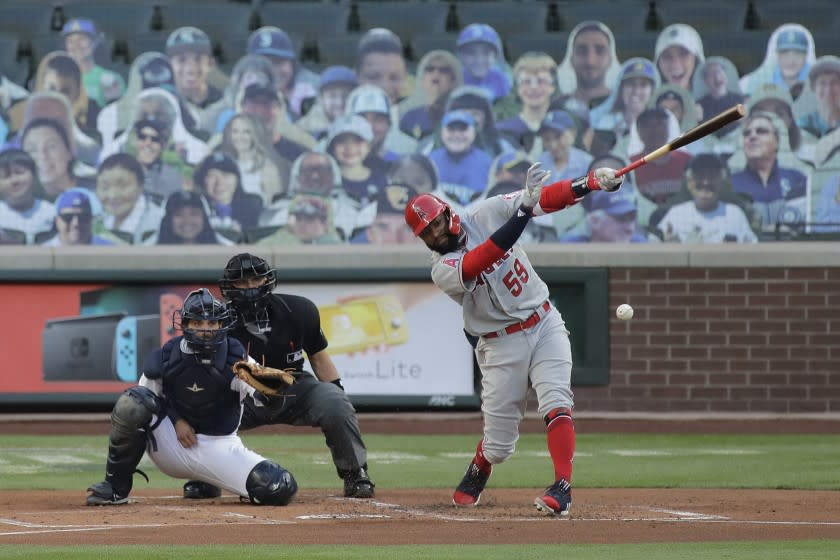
<point x="523" y="339"/>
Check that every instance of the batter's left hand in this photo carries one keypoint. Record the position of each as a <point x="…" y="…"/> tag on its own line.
<point x="534" y="182"/>
<point x="606" y="179"/>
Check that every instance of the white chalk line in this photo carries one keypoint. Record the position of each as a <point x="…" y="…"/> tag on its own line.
<point x="51" y="531"/>
<point x="40" y="528"/>
<point x="687" y="514"/>
<point x="721" y="521"/>
<point x="547" y="519"/>
<point x="433" y="515"/>
<point x="343" y="516"/>
<point x="681" y="516"/>
<point x="31" y="525"/>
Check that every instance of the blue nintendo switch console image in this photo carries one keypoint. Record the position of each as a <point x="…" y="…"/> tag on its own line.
<point x="103" y="347"/>
<point x="136" y="336"/>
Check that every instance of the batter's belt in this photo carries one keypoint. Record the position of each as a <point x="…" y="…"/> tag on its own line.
<point x="531" y="321"/>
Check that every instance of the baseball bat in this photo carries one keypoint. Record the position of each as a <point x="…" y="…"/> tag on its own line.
<point x="704" y="129"/>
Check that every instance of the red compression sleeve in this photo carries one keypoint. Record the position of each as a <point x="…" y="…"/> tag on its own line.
<point x="560" y="435"/>
<point x="557" y="196"/>
<point x="495" y="247"/>
<point x="480" y="258"/>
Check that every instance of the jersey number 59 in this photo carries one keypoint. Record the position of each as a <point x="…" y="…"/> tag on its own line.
<point x="515" y="278"/>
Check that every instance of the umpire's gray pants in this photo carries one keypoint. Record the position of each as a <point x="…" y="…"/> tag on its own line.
<point x="312" y="403"/>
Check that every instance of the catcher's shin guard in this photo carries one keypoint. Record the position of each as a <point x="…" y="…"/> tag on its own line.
<point x="130" y="425"/>
<point x="270" y="484"/>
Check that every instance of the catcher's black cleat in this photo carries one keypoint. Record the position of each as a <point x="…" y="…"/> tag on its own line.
<point x="103" y="494"/>
<point x="200" y="490"/>
<point x="358" y="484"/>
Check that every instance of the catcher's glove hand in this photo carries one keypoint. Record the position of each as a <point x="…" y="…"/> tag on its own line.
<point x="266" y="380"/>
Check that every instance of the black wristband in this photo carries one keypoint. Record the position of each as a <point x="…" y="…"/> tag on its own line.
<point x="509" y="232"/>
<point x="580" y="186"/>
<point x="337" y="383"/>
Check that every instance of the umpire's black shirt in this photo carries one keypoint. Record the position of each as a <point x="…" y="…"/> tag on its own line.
<point x="295" y="328"/>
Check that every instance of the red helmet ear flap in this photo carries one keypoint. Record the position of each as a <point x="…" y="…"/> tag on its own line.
<point x="454" y="224"/>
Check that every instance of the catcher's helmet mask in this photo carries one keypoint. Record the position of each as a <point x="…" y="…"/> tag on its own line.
<point x="252" y="304"/>
<point x="201" y="305"/>
<point x="423" y="209"/>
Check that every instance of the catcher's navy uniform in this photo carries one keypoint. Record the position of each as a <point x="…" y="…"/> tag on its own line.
<point x="208" y="397"/>
<point x="197" y="392"/>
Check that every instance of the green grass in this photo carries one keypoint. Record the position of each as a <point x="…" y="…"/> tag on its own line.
<point x="399" y="461"/>
<point x="786" y="550"/>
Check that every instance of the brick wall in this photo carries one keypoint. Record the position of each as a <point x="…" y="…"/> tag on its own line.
<point x="763" y="340"/>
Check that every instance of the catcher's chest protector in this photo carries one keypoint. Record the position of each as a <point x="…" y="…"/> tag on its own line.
<point x="201" y="393"/>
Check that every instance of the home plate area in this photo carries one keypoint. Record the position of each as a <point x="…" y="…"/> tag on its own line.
<point x="505" y="515"/>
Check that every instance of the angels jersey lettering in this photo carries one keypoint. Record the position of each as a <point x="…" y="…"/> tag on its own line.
<point x="507" y="291"/>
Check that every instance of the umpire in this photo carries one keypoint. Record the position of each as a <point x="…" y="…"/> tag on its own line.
<point x="277" y="329"/>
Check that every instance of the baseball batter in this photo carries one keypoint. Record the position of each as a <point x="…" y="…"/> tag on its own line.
<point x="521" y="339"/>
<point x="186" y="412"/>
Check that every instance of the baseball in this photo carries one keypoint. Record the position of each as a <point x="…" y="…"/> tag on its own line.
<point x="624" y="312"/>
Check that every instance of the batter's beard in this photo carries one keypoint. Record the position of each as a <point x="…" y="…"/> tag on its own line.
<point x="452" y="243"/>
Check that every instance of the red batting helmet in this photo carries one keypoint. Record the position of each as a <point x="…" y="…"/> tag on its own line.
<point x="424" y="208"/>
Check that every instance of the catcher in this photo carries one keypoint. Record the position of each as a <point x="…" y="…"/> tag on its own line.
<point x="186" y="411"/>
<point x="277" y="329"/>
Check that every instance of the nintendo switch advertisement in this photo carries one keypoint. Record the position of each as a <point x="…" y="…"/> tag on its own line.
<point x="386" y="339"/>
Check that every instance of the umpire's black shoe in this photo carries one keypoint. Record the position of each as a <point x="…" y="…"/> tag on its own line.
<point x="103" y="494"/>
<point x="199" y="490"/>
<point x="358" y="484"/>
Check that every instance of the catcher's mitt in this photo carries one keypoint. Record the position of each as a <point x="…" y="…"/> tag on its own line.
<point x="266" y="380"/>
